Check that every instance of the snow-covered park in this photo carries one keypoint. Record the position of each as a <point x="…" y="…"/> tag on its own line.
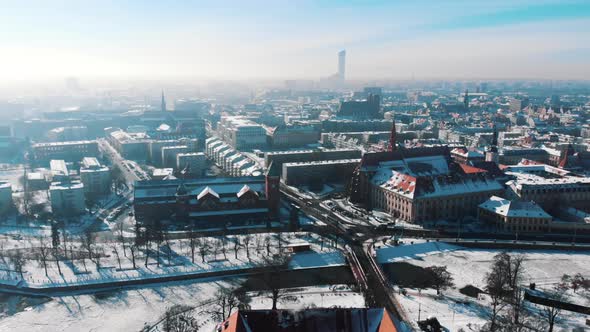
<point x="80" y="260"/>
<point x="132" y="308"/>
<point x="468" y="267"/>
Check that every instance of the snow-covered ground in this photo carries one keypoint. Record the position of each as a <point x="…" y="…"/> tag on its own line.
<point x="13" y="174"/>
<point x="468" y="267"/>
<point x="131" y="310"/>
<point x="178" y="260"/>
<point x="13" y="227"/>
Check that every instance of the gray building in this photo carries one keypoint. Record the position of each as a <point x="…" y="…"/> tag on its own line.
<point x="305" y="173"/>
<point x="195" y="163"/>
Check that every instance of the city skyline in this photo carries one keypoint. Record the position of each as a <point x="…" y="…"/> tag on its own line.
<point x="281" y="40"/>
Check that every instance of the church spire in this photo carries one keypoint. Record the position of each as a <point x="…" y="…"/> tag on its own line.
<point x="494" y="147"/>
<point x="393" y="138"/>
<point x="466" y="99"/>
<point x="163" y="102"/>
<point x="569" y="152"/>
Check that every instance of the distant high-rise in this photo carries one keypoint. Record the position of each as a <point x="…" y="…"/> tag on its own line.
<point x="163" y="102"/>
<point x="342" y="64"/>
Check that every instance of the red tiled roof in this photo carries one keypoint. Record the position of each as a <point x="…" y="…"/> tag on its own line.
<point x="471" y="170"/>
<point x="310" y="320"/>
<point x="402" y="181"/>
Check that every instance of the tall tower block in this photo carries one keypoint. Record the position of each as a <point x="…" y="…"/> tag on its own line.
<point x="163" y="106"/>
<point x="342" y="65"/>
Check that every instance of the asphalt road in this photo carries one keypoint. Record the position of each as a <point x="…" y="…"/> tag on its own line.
<point x="377" y="291"/>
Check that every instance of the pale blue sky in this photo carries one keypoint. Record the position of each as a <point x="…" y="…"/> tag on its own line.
<point x="295" y="39"/>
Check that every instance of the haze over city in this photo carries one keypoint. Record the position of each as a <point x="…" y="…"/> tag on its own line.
<point x="295" y="166"/>
<point x="294" y="39"/>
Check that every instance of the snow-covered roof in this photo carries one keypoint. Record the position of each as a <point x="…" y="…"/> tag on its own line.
<point x="321" y="162"/>
<point x="35" y="176"/>
<point x="166" y="189"/>
<point x="467" y="153"/>
<point x="90" y="162"/>
<point x="543" y="175"/>
<point x="408" y="185"/>
<point x="163" y="127"/>
<point x="419" y="166"/>
<point x="244" y="190"/>
<point x="66" y="185"/>
<point x="66" y="143"/>
<point x="508" y="208"/>
<point x="207" y="191"/>
<point x="58" y="167"/>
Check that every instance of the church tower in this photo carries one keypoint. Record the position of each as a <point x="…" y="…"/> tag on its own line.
<point x="466" y="100"/>
<point x="393" y="138"/>
<point x="492" y="153"/>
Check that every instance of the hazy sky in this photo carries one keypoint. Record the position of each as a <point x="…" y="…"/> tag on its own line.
<point x="295" y="39"/>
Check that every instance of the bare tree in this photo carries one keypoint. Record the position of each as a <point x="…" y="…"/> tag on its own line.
<point x="267" y="243"/>
<point x="28" y="194"/>
<point x="565" y="281"/>
<point x="18" y="262"/>
<point x="228" y="300"/>
<point x="133" y="250"/>
<point x="177" y="319"/>
<point x="97" y="256"/>
<point x="121" y="236"/>
<point x="116" y="252"/>
<point x="280" y="240"/>
<point x="258" y="243"/>
<point x="237" y="246"/>
<point x="81" y="239"/>
<point x="223" y="245"/>
<point x="43" y="252"/>
<point x="55" y="252"/>
<point x="158" y="237"/>
<point x="88" y="242"/>
<point x="147" y="247"/>
<point x="192" y="236"/>
<point x="215" y="248"/>
<point x="271" y="279"/>
<point x="503" y="284"/>
<point x="516" y="273"/>
<point x="64" y="238"/>
<point x="549" y="312"/>
<point x="247" y="239"/>
<point x="496" y="285"/>
<point x="441" y="278"/>
<point x="204" y="249"/>
<point x="577" y="282"/>
<point x="55" y="241"/>
<point x="168" y="248"/>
